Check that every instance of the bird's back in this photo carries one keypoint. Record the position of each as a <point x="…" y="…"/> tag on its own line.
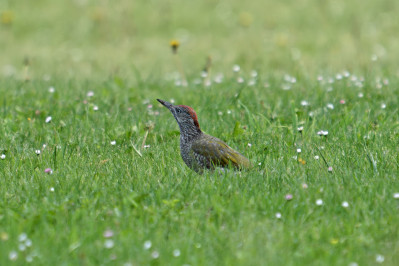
<point x="211" y="152"/>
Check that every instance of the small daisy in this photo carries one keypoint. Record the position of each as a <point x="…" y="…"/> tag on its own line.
<point x="22" y="237"/>
<point x="383" y="106"/>
<point x="3" y="156"/>
<point x="155" y="254"/>
<point x="330" y="106"/>
<point x="240" y="80"/>
<point x="147" y="244"/>
<point x="109" y="243"/>
<point x="95" y="108"/>
<point x="342" y="101"/>
<point x="278" y="215"/>
<point x="396" y="195"/>
<point x="147" y="146"/>
<point x="108" y="233"/>
<point x="13" y="255"/>
<point x="113" y="142"/>
<point x="176" y="253"/>
<point x="360" y="95"/>
<point x="52" y="189"/>
<point x="379" y="258"/>
<point x="28" y="242"/>
<point x="330" y="169"/>
<point x="51" y="90"/>
<point x="249" y="145"/>
<point x="319" y="202"/>
<point x="305" y="103"/>
<point x="21" y="247"/>
<point x="300" y="129"/>
<point x="345" y="204"/>
<point x="90" y="94"/>
<point x="48" y="119"/>
<point x="236" y="68"/>
<point x="288" y="197"/>
<point x="37" y="152"/>
<point x="298" y="150"/>
<point x="304" y="186"/>
<point x="316" y="157"/>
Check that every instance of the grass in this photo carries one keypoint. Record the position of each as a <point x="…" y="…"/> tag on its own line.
<point x="124" y="204"/>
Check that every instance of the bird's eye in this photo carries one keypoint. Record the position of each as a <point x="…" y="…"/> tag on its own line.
<point x="178" y="110"/>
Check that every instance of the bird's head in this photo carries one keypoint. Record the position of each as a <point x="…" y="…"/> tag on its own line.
<point x="184" y="115"/>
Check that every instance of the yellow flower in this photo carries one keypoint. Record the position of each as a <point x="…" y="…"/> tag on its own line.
<point x="7" y="17"/>
<point x="302" y="161"/>
<point x="174" y="44"/>
<point x="334" y="241"/>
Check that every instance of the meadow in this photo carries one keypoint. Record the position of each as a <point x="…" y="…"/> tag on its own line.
<point x="90" y="167"/>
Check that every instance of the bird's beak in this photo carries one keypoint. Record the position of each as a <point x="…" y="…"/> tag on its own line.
<point x="166" y="104"/>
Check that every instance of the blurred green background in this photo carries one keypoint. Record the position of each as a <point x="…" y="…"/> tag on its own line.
<point x="90" y="39"/>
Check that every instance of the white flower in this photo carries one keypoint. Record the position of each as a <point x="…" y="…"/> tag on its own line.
<point x="240" y="80"/>
<point x="300" y="129"/>
<point x="155" y="254"/>
<point x="51" y="90"/>
<point x="345" y="204"/>
<point x="22" y="237"/>
<point x="52" y="189"/>
<point x="330" y="106"/>
<point x="48" y="119"/>
<point x="37" y="152"/>
<point x="109" y="243"/>
<point x="176" y="253"/>
<point x="249" y="145"/>
<point x="13" y="255"/>
<point x="396" y="195"/>
<point x="236" y="68"/>
<point x="298" y="150"/>
<point x="379" y="258"/>
<point x="95" y="108"/>
<point x="383" y="106"/>
<point x="29" y="258"/>
<point x="316" y="157"/>
<point x="3" y="156"/>
<point x="21" y="247"/>
<point x="360" y="95"/>
<point x="113" y="142"/>
<point x="28" y="242"/>
<point x="319" y="202"/>
<point x="90" y="94"/>
<point x="304" y="103"/>
<point x="278" y="215"/>
<point x="147" y="244"/>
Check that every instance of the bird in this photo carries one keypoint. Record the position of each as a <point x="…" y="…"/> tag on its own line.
<point x="198" y="150"/>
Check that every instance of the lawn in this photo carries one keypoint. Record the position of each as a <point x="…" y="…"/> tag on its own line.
<point x="90" y="167"/>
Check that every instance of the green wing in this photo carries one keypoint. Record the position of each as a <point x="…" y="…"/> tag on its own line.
<point x="214" y="152"/>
